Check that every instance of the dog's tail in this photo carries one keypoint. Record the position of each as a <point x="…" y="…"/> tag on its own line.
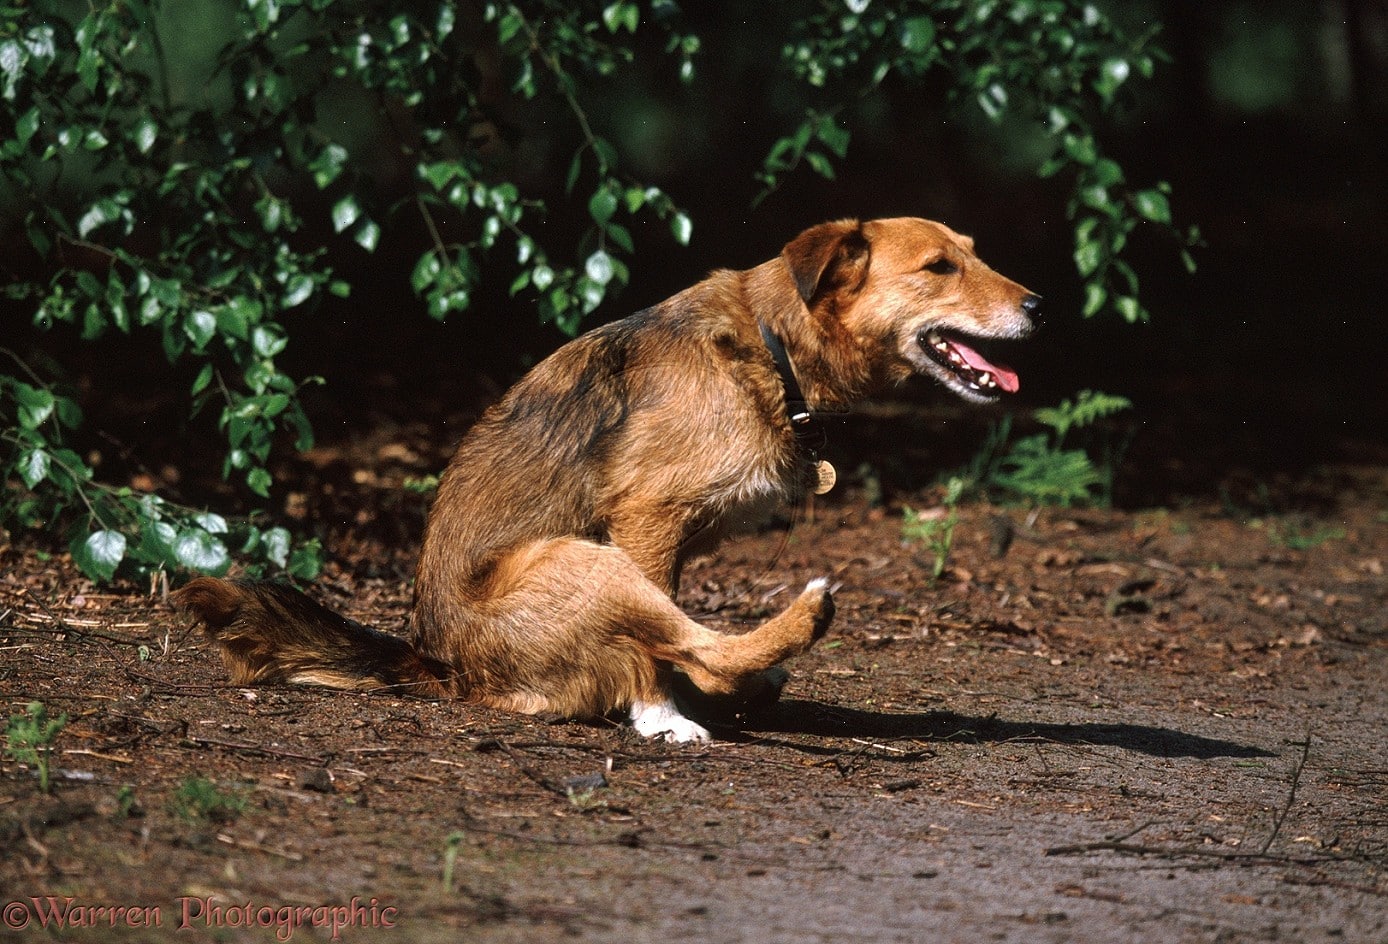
<point x="271" y="633"/>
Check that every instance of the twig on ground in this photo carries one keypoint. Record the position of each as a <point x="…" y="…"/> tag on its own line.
<point x="194" y="741"/>
<point x="1291" y="793"/>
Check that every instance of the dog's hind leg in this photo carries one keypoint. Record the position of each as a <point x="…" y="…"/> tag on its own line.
<point x="574" y="627"/>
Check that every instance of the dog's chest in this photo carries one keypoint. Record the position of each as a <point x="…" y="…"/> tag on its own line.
<point x="763" y="484"/>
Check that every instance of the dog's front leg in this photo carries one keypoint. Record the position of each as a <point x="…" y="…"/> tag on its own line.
<point x="653" y="544"/>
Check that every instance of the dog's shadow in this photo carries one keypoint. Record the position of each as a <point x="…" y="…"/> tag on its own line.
<point x="795" y="716"/>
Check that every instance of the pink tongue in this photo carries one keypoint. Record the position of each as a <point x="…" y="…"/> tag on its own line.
<point x="1004" y="377"/>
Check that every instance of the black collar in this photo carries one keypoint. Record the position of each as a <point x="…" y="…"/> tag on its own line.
<point x="807" y="428"/>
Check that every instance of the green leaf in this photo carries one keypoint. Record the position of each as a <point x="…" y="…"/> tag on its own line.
<point x="1152" y="205"/>
<point x="575" y="168"/>
<point x="368" y="235"/>
<point x="259" y="481"/>
<point x="599" y="268"/>
<point x="345" y="212"/>
<point x="275" y="546"/>
<point x="620" y="235"/>
<point x="426" y="272"/>
<point x="439" y="173"/>
<point x="1131" y="310"/>
<point x="11" y="64"/>
<point x="623" y="13"/>
<point x="993" y="100"/>
<point x="145" y="133"/>
<point x="98" y="214"/>
<point x="99" y="554"/>
<point x="821" y="164"/>
<point x="328" y="165"/>
<point x="298" y="290"/>
<point x="271" y="213"/>
<point x="834" y="138"/>
<point x="1089" y="256"/>
<point x="211" y="523"/>
<point x="198" y="550"/>
<point x="682" y="228"/>
<point x="1113" y="73"/>
<point x="202" y="381"/>
<point x="268" y="340"/>
<point x="88" y="65"/>
<point x="69" y="413"/>
<point x="917" y="34"/>
<point x="606" y="153"/>
<point x="35" y="405"/>
<point x="1094" y="297"/>
<point x="33" y="467"/>
<point x="602" y="205"/>
<point x="446" y="20"/>
<point x="306" y="561"/>
<point x="1105" y="173"/>
<point x="1081" y="148"/>
<point x="156" y="542"/>
<point x="591" y="293"/>
<point x="200" y="326"/>
<point x="27" y="125"/>
<point x="231" y="320"/>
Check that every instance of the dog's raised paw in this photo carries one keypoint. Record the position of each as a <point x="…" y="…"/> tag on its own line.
<point x="821" y="603"/>
<point x="663" y="720"/>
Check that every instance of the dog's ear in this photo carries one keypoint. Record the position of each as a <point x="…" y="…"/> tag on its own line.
<point x="830" y="256"/>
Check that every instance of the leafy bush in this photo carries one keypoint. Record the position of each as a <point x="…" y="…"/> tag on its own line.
<point x="1039" y="468"/>
<point x="183" y="193"/>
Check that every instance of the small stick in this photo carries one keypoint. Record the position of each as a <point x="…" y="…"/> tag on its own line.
<point x="1291" y="794"/>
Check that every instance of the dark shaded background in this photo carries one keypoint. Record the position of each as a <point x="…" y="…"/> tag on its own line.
<point x="1265" y="364"/>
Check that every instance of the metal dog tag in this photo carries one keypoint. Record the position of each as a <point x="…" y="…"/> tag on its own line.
<point x="825" y="477"/>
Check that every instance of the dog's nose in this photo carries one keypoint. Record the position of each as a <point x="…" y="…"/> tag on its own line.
<point x="1031" y="305"/>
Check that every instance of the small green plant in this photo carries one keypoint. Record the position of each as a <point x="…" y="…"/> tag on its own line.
<point x="30" y="738"/>
<point x="1292" y="535"/>
<point x="586" y="800"/>
<point x="450" y="858"/>
<point x="1045" y="468"/>
<point x="935" y="531"/>
<point x="126" y="803"/>
<point x="198" y="799"/>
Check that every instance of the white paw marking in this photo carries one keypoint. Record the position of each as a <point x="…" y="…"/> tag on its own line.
<point x="662" y="719"/>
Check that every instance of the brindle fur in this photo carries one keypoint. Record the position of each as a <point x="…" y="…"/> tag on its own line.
<point x="553" y="549"/>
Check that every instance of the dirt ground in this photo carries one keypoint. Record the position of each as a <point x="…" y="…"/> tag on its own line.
<point x="1161" y="725"/>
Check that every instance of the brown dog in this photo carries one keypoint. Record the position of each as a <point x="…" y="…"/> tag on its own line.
<point x="554" y="546"/>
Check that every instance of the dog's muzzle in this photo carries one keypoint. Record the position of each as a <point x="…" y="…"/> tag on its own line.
<point x="959" y="354"/>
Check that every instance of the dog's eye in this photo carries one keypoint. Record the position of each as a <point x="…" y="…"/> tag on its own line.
<point x="940" y="267"/>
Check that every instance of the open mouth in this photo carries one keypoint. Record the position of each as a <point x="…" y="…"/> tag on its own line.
<point x="958" y="354"/>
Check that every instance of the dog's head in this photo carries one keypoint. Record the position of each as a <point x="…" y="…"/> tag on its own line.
<point x="913" y="296"/>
